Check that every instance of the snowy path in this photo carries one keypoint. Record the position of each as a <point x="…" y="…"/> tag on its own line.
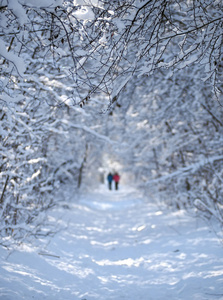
<point x="116" y="246"/>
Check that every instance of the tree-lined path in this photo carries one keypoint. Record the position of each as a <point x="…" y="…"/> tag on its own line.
<point x="116" y="245"/>
<point x="88" y="87"/>
<point x="85" y="84"/>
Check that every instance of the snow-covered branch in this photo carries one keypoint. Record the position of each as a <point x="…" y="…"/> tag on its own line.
<point x="186" y="170"/>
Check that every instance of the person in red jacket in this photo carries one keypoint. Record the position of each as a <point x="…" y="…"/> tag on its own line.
<point x="116" y="179"/>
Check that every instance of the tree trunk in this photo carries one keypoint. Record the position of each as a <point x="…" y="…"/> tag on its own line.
<point x="3" y="192"/>
<point x="82" y="167"/>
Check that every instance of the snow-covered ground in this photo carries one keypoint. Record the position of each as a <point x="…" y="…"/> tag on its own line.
<point x="112" y="246"/>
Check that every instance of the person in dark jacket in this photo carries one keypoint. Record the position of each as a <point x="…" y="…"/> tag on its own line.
<point x="116" y="179"/>
<point x="110" y="178"/>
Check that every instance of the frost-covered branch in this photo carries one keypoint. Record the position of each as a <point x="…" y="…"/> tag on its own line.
<point x="186" y="170"/>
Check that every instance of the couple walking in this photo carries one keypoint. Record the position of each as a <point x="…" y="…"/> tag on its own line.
<point x="116" y="179"/>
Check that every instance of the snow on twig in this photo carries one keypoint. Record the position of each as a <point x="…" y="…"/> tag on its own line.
<point x="18" y="62"/>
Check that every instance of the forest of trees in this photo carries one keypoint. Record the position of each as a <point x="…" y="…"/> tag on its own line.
<point x="139" y="81"/>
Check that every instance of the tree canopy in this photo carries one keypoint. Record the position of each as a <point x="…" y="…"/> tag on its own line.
<point x="100" y="45"/>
